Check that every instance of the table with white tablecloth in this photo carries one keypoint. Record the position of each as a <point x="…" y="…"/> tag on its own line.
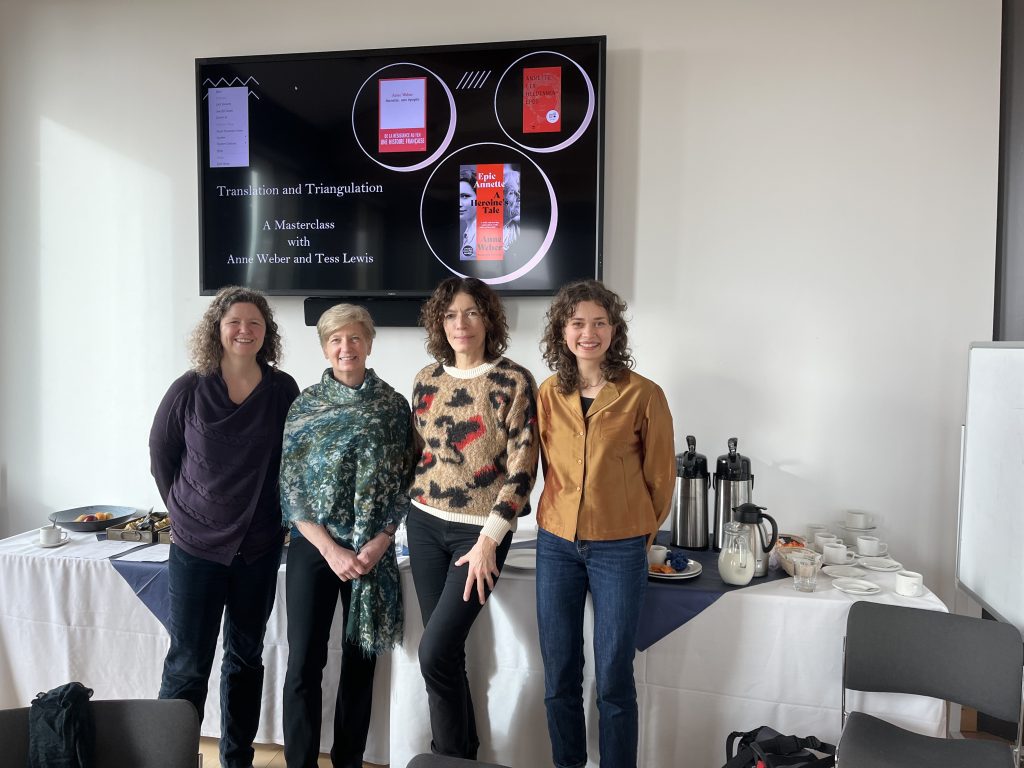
<point x="763" y="655"/>
<point x="64" y="617"/>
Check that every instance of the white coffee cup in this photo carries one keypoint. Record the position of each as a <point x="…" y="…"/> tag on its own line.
<point x="857" y="519"/>
<point x="656" y="555"/>
<point x="909" y="583"/>
<point x="51" y="536"/>
<point x="870" y="546"/>
<point x="821" y="539"/>
<point x="837" y="554"/>
<point x="814" y="529"/>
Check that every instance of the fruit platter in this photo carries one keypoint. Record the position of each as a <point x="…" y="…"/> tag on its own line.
<point x="97" y="517"/>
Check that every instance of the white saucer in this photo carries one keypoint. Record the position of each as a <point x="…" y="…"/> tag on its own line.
<point x="692" y="570"/>
<point x="60" y="543"/>
<point x="859" y="556"/>
<point x="850" y="528"/>
<point x="879" y="564"/>
<point x="522" y="559"/>
<point x="840" y="571"/>
<point x="856" y="586"/>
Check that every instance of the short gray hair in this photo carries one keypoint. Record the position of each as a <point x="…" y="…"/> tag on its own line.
<point x="341" y="315"/>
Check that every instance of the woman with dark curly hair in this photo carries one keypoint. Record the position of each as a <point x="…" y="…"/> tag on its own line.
<point x="215" y="450"/>
<point x="609" y="470"/>
<point x="474" y="411"/>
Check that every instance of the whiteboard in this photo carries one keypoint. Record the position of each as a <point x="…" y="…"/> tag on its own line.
<point x="990" y="537"/>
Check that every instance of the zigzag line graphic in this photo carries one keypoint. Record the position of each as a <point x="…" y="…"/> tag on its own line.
<point x="473" y="79"/>
<point x="225" y="83"/>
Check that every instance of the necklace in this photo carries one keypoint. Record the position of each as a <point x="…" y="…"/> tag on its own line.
<point x="584" y="384"/>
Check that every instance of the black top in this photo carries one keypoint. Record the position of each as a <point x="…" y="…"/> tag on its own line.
<point x="216" y="464"/>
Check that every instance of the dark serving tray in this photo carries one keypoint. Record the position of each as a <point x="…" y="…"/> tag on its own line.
<point x="66" y="517"/>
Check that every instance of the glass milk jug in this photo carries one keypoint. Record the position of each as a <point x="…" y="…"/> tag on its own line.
<point x="735" y="561"/>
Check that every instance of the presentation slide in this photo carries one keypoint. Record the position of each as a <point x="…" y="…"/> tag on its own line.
<point x="380" y="173"/>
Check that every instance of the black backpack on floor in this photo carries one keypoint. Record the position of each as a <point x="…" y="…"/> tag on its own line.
<point x="765" y="747"/>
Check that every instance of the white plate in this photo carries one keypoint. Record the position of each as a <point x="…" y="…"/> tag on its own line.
<point x="58" y="544"/>
<point x="879" y="564"/>
<point x="856" y="586"/>
<point x="692" y="570"/>
<point x="522" y="559"/>
<point x="840" y="571"/>
<point x="846" y="527"/>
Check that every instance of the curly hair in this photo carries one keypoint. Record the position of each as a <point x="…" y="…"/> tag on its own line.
<point x="556" y="353"/>
<point x="204" y="345"/>
<point x="487" y="301"/>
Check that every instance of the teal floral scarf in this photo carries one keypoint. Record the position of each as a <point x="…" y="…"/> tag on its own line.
<point x="345" y="465"/>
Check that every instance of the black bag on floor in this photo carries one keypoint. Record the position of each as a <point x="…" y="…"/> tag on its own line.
<point x="765" y="747"/>
<point x="61" y="731"/>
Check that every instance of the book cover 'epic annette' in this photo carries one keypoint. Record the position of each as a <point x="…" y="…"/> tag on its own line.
<point x="489" y="207"/>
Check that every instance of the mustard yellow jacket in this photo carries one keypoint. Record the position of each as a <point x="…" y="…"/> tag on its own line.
<point x="611" y="474"/>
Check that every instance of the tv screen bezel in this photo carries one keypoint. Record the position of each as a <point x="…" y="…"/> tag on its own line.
<point x="599" y="41"/>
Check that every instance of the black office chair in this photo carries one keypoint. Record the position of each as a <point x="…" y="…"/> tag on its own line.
<point x="973" y="662"/>
<point x="441" y="761"/>
<point x="142" y="733"/>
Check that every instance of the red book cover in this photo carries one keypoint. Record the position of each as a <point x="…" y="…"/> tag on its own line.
<point x="402" y="115"/>
<point x="542" y="99"/>
<point x="489" y="210"/>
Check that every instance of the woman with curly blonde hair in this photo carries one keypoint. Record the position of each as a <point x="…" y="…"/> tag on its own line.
<point x="609" y="471"/>
<point x="475" y="414"/>
<point x="215" y="451"/>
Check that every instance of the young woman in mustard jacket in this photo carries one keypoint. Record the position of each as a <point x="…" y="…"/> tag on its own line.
<point x="609" y="468"/>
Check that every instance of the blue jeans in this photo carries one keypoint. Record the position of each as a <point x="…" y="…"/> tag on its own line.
<point x="201" y="592"/>
<point x="615" y="574"/>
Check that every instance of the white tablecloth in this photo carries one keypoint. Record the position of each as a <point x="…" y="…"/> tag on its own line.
<point x="765" y="655"/>
<point x="65" y="618"/>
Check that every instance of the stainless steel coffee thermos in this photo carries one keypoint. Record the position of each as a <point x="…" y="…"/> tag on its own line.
<point x="690" y="500"/>
<point x="733" y="484"/>
<point x="752" y="518"/>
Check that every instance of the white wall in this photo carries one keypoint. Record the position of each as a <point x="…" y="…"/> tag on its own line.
<point x="800" y="210"/>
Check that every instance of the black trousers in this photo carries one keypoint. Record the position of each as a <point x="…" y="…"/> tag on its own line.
<point x="312" y="590"/>
<point x="202" y="592"/>
<point x="434" y="546"/>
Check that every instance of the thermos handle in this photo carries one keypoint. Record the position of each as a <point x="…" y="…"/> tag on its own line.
<point x="775" y="532"/>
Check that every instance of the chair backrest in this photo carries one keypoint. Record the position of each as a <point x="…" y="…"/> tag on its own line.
<point x="142" y="733"/>
<point x="14" y="736"/>
<point x="973" y="662"/>
<point x="146" y="733"/>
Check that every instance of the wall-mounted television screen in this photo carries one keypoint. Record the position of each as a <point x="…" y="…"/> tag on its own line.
<point x="382" y="172"/>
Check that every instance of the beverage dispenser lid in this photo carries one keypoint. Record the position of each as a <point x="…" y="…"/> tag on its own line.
<point x="731" y="465"/>
<point x="691" y="464"/>
<point x="749" y="513"/>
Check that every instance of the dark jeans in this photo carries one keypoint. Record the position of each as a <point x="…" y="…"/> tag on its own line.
<point x="434" y="546"/>
<point x="615" y="574"/>
<point x="313" y="590"/>
<point x="201" y="592"/>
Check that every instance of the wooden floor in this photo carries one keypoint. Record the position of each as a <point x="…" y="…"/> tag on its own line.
<point x="267" y="756"/>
